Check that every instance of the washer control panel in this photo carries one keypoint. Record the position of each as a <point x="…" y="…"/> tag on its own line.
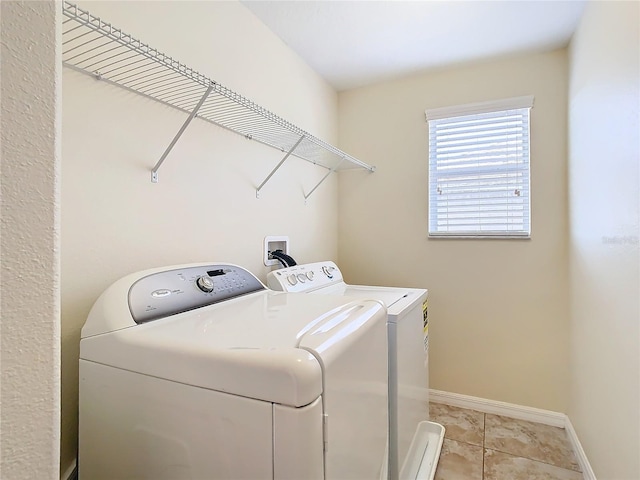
<point x="304" y="278"/>
<point x="166" y="293"/>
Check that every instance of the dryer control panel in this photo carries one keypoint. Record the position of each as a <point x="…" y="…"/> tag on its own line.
<point x="169" y="292"/>
<point x="304" y="278"/>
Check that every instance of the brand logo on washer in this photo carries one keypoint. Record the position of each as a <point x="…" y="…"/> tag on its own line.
<point x="162" y="292"/>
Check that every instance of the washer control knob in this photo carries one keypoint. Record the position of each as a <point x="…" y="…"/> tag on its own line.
<point x="327" y="271"/>
<point x="310" y="275"/>
<point x="292" y="279"/>
<point x="205" y="284"/>
<point x="301" y="278"/>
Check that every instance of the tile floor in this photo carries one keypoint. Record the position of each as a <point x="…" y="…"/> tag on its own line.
<point x="479" y="446"/>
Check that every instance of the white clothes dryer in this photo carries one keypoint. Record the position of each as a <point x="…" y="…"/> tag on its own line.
<point x="199" y="372"/>
<point x="414" y="442"/>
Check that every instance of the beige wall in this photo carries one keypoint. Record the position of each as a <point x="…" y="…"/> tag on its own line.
<point x="30" y="273"/>
<point x="115" y="221"/>
<point x="603" y="164"/>
<point x="482" y="344"/>
<point x="498" y="308"/>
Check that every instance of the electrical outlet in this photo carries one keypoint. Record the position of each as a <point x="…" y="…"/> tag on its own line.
<point x="272" y="243"/>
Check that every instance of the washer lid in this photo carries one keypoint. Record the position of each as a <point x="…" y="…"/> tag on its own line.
<point x="248" y="346"/>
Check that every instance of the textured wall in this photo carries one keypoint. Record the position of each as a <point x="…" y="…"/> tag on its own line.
<point x="30" y="235"/>
<point x="498" y="308"/>
<point x="604" y="102"/>
<point x="204" y="208"/>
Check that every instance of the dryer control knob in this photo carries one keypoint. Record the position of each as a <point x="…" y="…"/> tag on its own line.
<point x="327" y="271"/>
<point x="292" y="279"/>
<point x="310" y="275"/>
<point x="205" y="284"/>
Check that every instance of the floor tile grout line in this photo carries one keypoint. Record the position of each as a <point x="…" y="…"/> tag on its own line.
<point x="533" y="460"/>
<point x="462" y="441"/>
<point x="484" y="435"/>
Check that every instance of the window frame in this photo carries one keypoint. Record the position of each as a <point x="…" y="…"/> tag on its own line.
<point x="498" y="107"/>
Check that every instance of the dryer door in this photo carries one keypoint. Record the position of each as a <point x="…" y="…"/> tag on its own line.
<point x="351" y="346"/>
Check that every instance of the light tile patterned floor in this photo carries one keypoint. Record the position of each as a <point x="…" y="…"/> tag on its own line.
<point x="479" y="446"/>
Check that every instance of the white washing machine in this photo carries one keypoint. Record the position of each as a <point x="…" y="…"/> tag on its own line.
<point x="415" y="443"/>
<point x="199" y="372"/>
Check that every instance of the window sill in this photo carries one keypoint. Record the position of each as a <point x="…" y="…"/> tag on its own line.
<point x="479" y="237"/>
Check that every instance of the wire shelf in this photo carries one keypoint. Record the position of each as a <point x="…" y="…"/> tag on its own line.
<point x="96" y="48"/>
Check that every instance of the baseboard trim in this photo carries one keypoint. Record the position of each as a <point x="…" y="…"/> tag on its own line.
<point x="546" y="417"/>
<point x="71" y="473"/>
<point x="581" y="456"/>
<point x="520" y="412"/>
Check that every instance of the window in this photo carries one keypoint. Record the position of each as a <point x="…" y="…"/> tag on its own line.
<point x="479" y="169"/>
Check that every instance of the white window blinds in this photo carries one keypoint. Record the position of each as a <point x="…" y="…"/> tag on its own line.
<point x="479" y="169"/>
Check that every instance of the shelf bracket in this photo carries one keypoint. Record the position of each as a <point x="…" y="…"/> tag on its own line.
<point x="323" y="179"/>
<point x="154" y="172"/>
<point x="278" y="166"/>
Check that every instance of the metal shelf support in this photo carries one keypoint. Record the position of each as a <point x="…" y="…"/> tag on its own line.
<point x="154" y="171"/>
<point x="323" y="179"/>
<point x="278" y="166"/>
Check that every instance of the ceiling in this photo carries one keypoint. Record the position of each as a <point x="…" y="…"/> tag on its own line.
<point x="356" y="43"/>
